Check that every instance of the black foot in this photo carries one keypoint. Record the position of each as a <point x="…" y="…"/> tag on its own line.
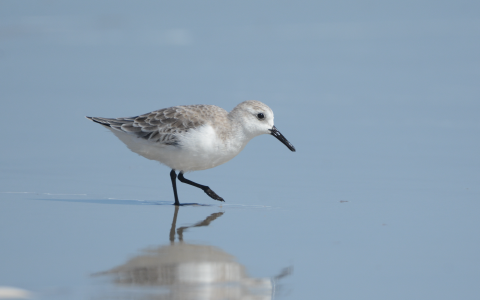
<point x="212" y="194"/>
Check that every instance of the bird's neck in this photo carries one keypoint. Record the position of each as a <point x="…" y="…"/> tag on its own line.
<point x="238" y="135"/>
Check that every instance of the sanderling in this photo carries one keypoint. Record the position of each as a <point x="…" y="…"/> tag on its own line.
<point x="194" y="137"/>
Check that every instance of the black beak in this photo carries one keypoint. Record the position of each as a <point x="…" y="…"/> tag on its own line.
<point x="281" y="138"/>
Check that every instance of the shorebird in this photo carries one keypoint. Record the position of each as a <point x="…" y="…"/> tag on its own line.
<point x="194" y="137"/>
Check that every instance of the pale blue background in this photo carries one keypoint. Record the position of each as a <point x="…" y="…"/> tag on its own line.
<point x="380" y="98"/>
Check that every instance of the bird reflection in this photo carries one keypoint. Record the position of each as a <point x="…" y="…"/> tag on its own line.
<point x="186" y="271"/>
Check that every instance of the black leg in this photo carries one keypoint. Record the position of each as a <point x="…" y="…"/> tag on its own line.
<point x="173" y="176"/>
<point x="205" y="188"/>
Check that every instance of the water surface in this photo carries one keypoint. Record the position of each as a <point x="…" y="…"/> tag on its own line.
<point x="380" y="201"/>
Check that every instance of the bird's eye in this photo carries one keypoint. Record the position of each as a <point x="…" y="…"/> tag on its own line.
<point x="261" y="116"/>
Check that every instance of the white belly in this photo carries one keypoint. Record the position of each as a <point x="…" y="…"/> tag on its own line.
<point x="198" y="149"/>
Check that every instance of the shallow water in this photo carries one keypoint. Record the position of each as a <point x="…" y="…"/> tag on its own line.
<point x="380" y="201"/>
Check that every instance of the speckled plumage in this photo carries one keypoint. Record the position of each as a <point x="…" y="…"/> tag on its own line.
<point x="166" y="125"/>
<point x="194" y="137"/>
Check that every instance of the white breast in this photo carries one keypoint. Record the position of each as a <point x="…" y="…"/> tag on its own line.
<point x="198" y="149"/>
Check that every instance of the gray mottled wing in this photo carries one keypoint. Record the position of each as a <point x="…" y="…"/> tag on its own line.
<point x="161" y="126"/>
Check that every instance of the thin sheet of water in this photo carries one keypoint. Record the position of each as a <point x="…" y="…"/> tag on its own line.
<point x="380" y="201"/>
